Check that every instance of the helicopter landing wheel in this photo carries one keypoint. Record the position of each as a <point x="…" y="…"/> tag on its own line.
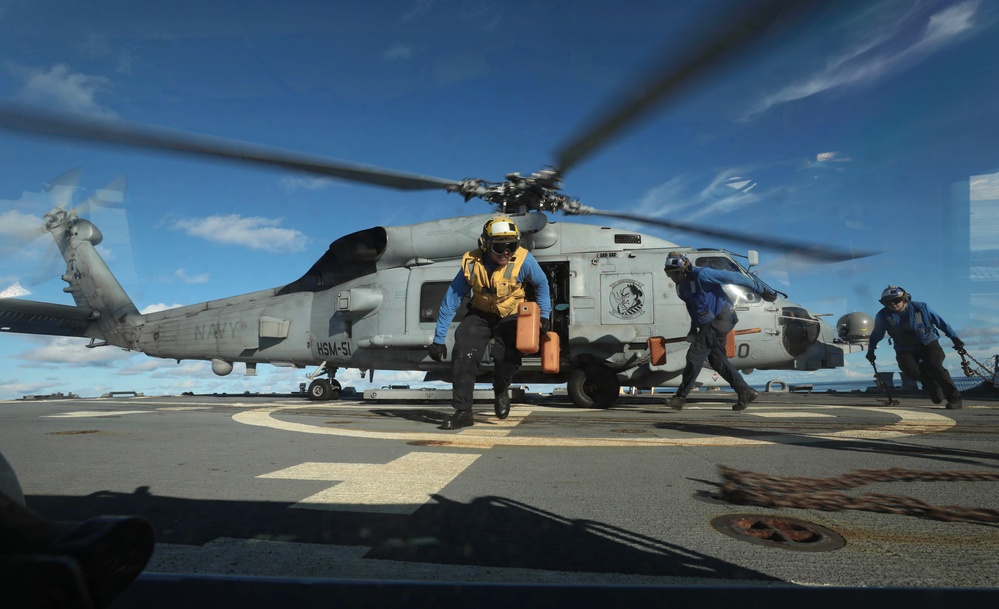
<point x="322" y="390"/>
<point x="593" y="386"/>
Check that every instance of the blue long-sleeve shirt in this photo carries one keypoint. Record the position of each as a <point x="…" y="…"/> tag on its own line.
<point x="702" y="291"/>
<point x="530" y="272"/>
<point x="909" y="329"/>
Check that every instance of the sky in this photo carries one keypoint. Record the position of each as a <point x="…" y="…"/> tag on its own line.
<point x="868" y="128"/>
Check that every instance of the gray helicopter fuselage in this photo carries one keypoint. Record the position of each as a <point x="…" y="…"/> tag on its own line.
<point x="371" y="303"/>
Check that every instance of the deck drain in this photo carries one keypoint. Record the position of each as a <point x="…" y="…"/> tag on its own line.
<point x="778" y="532"/>
<point x="73" y="433"/>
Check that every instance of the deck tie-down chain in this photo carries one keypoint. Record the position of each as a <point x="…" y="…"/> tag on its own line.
<point x="752" y="488"/>
<point x="982" y="370"/>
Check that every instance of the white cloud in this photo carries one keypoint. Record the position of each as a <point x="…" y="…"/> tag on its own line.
<point x="482" y="15"/>
<point x="189" y="371"/>
<point x="729" y="190"/>
<point x="19" y="388"/>
<point x="985" y="187"/>
<point x="125" y="60"/>
<point x="881" y="52"/>
<point x="153" y="308"/>
<point x="17" y="229"/>
<point x="147" y="366"/>
<point x="253" y="232"/>
<point x="183" y="276"/>
<point x="64" y="350"/>
<point x="398" y="52"/>
<point x="666" y="198"/>
<point x="292" y="184"/>
<point x="418" y="9"/>
<point x="60" y="88"/>
<point x="13" y="291"/>
<point x="677" y="198"/>
<point x="95" y="45"/>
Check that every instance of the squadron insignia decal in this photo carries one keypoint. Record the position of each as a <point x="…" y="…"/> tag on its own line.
<point x="627" y="299"/>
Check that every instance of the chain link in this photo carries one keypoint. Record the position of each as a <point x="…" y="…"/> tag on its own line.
<point x="982" y="370"/>
<point x="752" y="488"/>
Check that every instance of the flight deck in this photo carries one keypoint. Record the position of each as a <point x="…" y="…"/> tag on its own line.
<point x="253" y="487"/>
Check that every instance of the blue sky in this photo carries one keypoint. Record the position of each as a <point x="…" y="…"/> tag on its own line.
<point x="872" y="129"/>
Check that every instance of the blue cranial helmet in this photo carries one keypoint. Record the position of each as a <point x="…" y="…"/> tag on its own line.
<point x="892" y="292"/>
<point x="676" y="264"/>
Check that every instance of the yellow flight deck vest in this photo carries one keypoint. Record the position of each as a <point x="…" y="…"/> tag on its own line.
<point x="499" y="294"/>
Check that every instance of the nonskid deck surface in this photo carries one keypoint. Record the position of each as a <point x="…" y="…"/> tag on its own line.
<point x="281" y="486"/>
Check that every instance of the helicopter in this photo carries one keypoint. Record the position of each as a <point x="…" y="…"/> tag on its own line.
<point x="370" y="301"/>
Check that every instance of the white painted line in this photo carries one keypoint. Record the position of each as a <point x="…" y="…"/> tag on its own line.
<point x="93" y="413"/>
<point x="399" y="487"/>
<point x="909" y="423"/>
<point x="791" y="415"/>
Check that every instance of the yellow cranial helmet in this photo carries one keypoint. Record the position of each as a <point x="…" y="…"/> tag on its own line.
<point x="500" y="232"/>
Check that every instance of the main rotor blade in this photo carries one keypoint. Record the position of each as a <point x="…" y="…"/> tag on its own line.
<point x="144" y="136"/>
<point x="743" y="32"/>
<point x="819" y="253"/>
<point x="62" y="187"/>
<point x="19" y="230"/>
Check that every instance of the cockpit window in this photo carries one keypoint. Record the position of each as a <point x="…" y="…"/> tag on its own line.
<point x="720" y="263"/>
<point x="738" y="294"/>
<point x="349" y="257"/>
<point x="741" y="295"/>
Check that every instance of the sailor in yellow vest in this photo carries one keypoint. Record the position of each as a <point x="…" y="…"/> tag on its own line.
<point x="495" y="275"/>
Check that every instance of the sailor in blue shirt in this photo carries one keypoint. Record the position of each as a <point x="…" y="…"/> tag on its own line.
<point x="912" y="327"/>
<point x="712" y="317"/>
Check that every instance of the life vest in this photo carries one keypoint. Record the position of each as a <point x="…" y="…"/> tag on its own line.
<point x="498" y="293"/>
<point x="913" y="329"/>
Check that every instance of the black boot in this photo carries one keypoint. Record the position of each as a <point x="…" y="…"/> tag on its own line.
<point x="936" y="394"/>
<point x="461" y="418"/>
<point x="745" y="398"/>
<point x="502" y="404"/>
<point x="676" y="402"/>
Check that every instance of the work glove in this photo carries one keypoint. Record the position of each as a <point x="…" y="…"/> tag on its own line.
<point x="546" y="325"/>
<point x="958" y="343"/>
<point x="769" y="295"/>
<point x="871" y="357"/>
<point x="691" y="336"/>
<point x="438" y="351"/>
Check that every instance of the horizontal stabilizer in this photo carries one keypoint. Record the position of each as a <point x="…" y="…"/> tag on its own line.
<point x="31" y="317"/>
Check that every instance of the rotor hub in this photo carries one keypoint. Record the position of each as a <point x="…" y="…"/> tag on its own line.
<point x="536" y="192"/>
<point x="56" y="218"/>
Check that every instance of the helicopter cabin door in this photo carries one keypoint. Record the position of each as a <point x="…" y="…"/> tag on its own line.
<point x="427" y="285"/>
